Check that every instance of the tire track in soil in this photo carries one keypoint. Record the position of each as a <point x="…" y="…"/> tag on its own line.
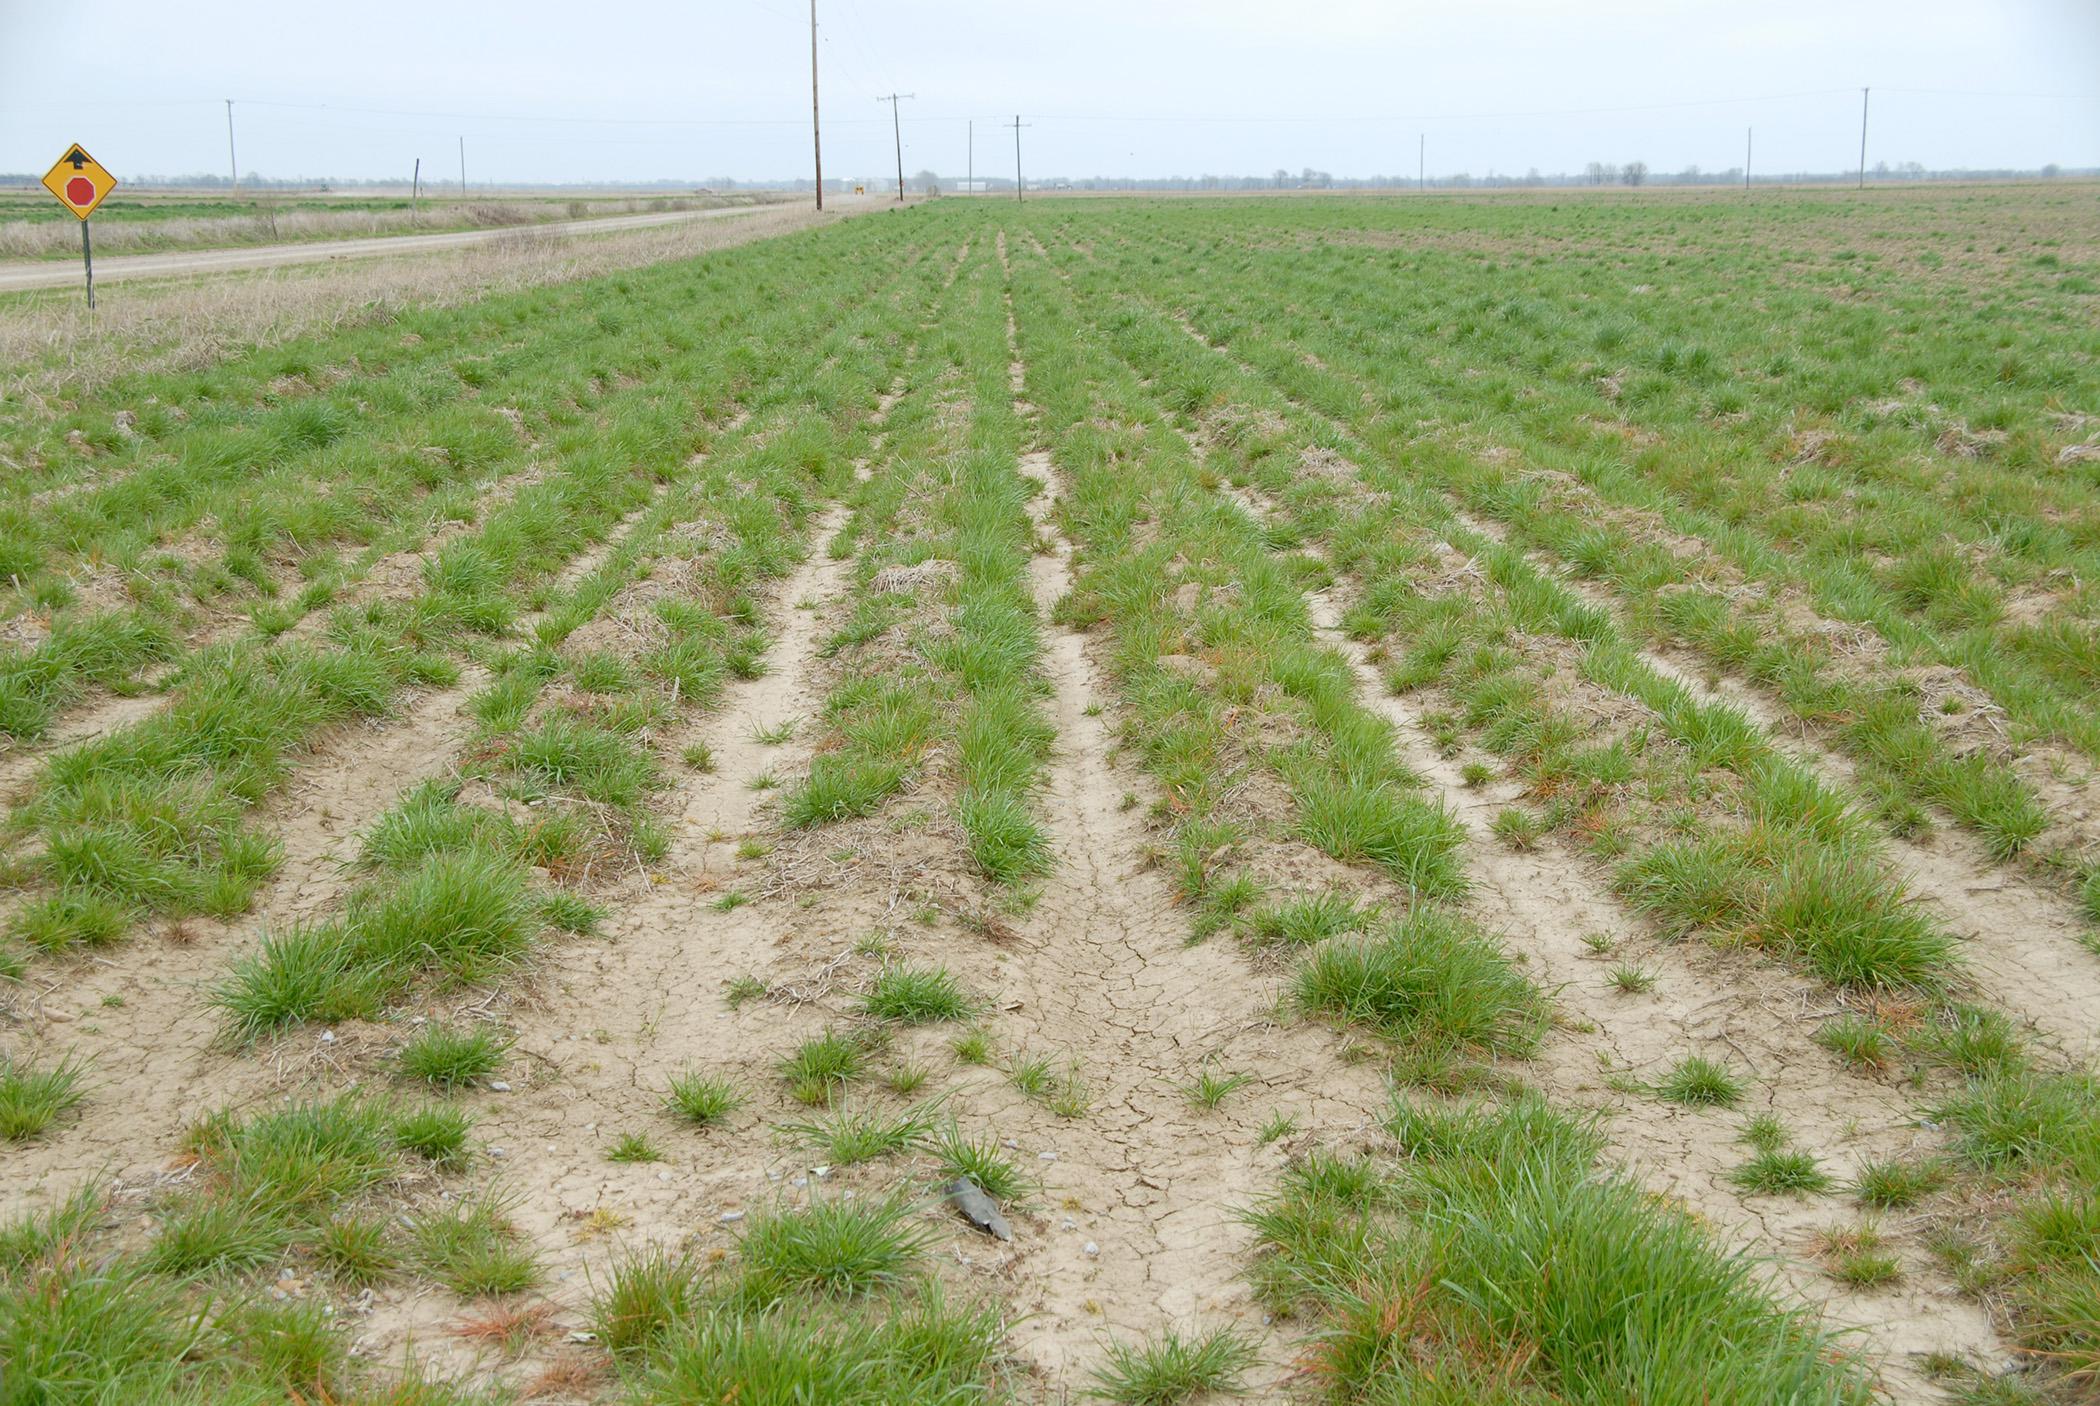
<point x="392" y="575"/>
<point x="639" y="977"/>
<point x="1104" y="969"/>
<point x="156" y="1058"/>
<point x="610" y="1019"/>
<point x="1702" y="1002"/>
<point x="1994" y="910"/>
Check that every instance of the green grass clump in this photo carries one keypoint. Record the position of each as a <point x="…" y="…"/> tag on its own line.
<point x="633" y="1147"/>
<point x="821" y="1066"/>
<point x="702" y="1099"/>
<point x="1699" y="1082"/>
<point x="852" y="1135"/>
<point x="1897" y="1184"/>
<point x="594" y="762"/>
<point x="973" y="1046"/>
<point x="73" y="917"/>
<point x="437" y="1135"/>
<point x="651" y="1294"/>
<point x="1431" y="981"/>
<point x="1210" y="1088"/>
<point x="448" y="1058"/>
<point x="464" y="917"/>
<point x="916" y="996"/>
<point x="1781" y="1171"/>
<point x="1415" y="840"/>
<point x="1003" y="838"/>
<point x="981" y="1160"/>
<point x="32" y="1098"/>
<point x="910" y="1345"/>
<point x="831" y="1247"/>
<point x="1641" y="1305"/>
<point x="356" y="1250"/>
<point x="1172" y="1368"/>
<point x="1827" y="902"/>
<point x="471" y="1248"/>
<point x="571" y="913"/>
<point x="840" y="787"/>
<point x="1861" y="1041"/>
<point x="1310" y="919"/>
<point x="214" y="1233"/>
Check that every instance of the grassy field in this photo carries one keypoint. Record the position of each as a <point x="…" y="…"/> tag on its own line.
<point x="33" y="225"/>
<point x="1430" y="800"/>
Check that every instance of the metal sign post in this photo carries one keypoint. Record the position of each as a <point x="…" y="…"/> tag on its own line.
<point x="80" y="183"/>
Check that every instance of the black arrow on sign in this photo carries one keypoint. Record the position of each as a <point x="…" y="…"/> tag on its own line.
<point x="76" y="157"/>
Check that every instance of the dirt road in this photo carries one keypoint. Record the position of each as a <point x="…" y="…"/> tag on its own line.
<point x="56" y="273"/>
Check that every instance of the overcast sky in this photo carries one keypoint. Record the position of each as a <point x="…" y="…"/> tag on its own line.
<point x="555" y="90"/>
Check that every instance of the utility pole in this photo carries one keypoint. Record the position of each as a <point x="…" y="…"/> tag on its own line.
<point x="816" y="125"/>
<point x="1749" y="133"/>
<point x="897" y="131"/>
<point x="1863" y="137"/>
<point x="1020" y="191"/>
<point x="233" y="166"/>
<point x="1421" y="161"/>
<point x="415" y="190"/>
<point x="462" y="168"/>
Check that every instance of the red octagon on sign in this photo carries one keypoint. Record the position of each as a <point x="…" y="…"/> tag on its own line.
<point x="80" y="190"/>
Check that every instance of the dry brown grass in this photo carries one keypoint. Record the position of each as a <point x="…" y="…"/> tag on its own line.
<point x="50" y="347"/>
<point x="31" y="239"/>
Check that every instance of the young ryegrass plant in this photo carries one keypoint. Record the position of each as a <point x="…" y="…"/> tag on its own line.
<point x="916" y="996"/>
<point x="823" y="1065"/>
<point x="1781" y="1171"/>
<point x="356" y="1250"/>
<point x="471" y="1248"/>
<point x="449" y="1058"/>
<point x="702" y="1099"/>
<point x="850" y="1135"/>
<point x="1897" y="1184"/>
<point x="32" y="1098"/>
<point x="831" y="1246"/>
<point x="1173" y="1368"/>
<point x="1699" y="1082"/>
<point x="982" y="1160"/>
<point x="650" y="1294"/>
<point x="1210" y="1088"/>
<point x="1860" y="1040"/>
<point x="1431" y="981"/>
<point x="632" y="1148"/>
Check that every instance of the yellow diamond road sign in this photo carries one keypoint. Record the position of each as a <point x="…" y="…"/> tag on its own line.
<point x="79" y="181"/>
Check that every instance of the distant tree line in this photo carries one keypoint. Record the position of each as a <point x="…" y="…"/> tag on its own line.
<point x="1596" y="173"/>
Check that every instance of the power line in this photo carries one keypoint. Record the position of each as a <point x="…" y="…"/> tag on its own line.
<point x="1240" y="119"/>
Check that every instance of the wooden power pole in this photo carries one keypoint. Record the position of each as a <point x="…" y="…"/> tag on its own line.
<point x="1863" y="137"/>
<point x="233" y="165"/>
<point x="897" y="131"/>
<point x="1020" y="191"/>
<point x="816" y="125"/>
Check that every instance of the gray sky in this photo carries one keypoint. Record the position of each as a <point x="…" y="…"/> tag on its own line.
<point x="642" y="89"/>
